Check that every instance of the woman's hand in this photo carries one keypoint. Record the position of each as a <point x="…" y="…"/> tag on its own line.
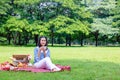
<point x="39" y="51"/>
<point x="42" y="49"/>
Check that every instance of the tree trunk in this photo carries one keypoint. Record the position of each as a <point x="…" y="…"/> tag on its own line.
<point x="26" y="37"/>
<point x="9" y="38"/>
<point x="59" y="39"/>
<point x="15" y="37"/>
<point x="118" y="38"/>
<point x="52" y="36"/>
<point x="36" y="39"/>
<point x="81" y="43"/>
<point x="26" y="40"/>
<point x="69" y="40"/>
<point x="81" y="39"/>
<point x="19" y="39"/>
<point x="66" y="40"/>
<point x="96" y="37"/>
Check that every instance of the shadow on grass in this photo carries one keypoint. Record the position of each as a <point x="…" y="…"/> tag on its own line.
<point x="92" y="70"/>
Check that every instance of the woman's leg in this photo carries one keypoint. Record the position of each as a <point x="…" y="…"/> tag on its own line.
<point x="40" y="64"/>
<point x="50" y="65"/>
<point x="46" y="63"/>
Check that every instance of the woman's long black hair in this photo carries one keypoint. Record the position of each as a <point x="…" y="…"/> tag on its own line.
<point x="40" y="39"/>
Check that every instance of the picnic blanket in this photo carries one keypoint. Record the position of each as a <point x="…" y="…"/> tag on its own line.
<point x="32" y="69"/>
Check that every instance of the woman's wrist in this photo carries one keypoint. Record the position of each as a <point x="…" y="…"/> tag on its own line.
<point x="39" y="52"/>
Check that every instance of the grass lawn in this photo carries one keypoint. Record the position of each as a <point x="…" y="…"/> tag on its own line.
<point x="87" y="63"/>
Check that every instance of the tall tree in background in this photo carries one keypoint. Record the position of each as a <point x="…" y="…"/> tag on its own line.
<point x="4" y="7"/>
<point x="68" y="20"/>
<point x="4" y="10"/>
<point x="102" y="24"/>
<point x="116" y="18"/>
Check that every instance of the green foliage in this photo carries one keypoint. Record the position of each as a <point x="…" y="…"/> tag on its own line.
<point x="104" y="26"/>
<point x="16" y="25"/>
<point x="2" y="39"/>
<point x="116" y="17"/>
<point x="38" y="28"/>
<point x="61" y="24"/>
<point x="57" y="17"/>
<point x="4" y="6"/>
<point x="19" y="2"/>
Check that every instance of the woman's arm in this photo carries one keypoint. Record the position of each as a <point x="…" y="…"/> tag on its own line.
<point x="47" y="53"/>
<point x="39" y="51"/>
<point x="36" y="57"/>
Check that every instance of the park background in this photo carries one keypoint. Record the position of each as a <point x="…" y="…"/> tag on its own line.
<point x="84" y="34"/>
<point x="79" y="22"/>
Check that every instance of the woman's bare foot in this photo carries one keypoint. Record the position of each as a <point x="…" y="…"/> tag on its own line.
<point x="55" y="69"/>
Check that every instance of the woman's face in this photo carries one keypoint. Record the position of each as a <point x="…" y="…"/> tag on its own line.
<point x="43" y="41"/>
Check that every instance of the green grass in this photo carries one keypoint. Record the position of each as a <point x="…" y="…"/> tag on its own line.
<point x="87" y="63"/>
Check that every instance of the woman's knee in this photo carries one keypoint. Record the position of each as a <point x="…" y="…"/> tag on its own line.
<point x="47" y="58"/>
<point x="35" y="65"/>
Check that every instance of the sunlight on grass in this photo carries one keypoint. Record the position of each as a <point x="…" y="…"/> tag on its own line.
<point x="87" y="63"/>
<point x="108" y="54"/>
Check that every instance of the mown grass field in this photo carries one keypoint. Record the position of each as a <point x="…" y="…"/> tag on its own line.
<point x="87" y="63"/>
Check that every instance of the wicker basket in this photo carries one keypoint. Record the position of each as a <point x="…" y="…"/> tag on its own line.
<point x="21" y="58"/>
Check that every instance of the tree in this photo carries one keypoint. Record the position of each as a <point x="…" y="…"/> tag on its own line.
<point x="14" y="29"/>
<point x="116" y="18"/>
<point x="39" y="17"/>
<point x="103" y="27"/>
<point x="102" y="22"/>
<point x="4" y="7"/>
<point x="38" y="28"/>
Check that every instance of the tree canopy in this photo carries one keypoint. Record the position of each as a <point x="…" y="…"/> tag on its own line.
<point x="60" y="20"/>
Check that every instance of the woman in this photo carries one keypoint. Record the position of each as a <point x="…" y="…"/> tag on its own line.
<point x="42" y="56"/>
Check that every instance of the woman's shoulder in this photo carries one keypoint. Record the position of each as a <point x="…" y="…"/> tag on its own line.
<point x="48" y="49"/>
<point x="36" y="48"/>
